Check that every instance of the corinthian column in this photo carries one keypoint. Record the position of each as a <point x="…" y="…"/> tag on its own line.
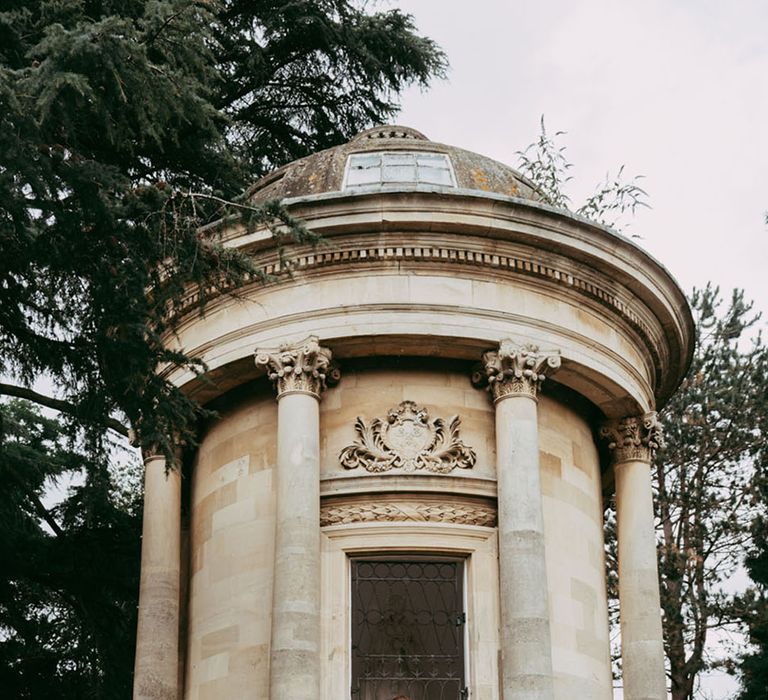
<point x="632" y="442"/>
<point x="513" y="375"/>
<point x="300" y="374"/>
<point x="156" y="669"/>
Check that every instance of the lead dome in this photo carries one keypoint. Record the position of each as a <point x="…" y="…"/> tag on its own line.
<point x="328" y="171"/>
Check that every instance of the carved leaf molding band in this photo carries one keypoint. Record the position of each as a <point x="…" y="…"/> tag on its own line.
<point x="408" y="440"/>
<point x="453" y="513"/>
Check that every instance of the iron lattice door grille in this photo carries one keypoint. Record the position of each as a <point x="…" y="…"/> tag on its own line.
<point x="407" y="629"/>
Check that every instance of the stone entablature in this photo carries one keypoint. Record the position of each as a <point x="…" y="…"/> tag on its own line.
<point x="591" y="275"/>
<point x="506" y="261"/>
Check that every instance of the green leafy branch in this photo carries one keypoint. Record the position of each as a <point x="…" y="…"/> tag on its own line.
<point x="544" y="161"/>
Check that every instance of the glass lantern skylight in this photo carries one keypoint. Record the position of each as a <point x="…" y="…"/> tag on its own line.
<point x="376" y="170"/>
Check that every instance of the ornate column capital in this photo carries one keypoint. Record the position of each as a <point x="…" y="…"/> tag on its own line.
<point x="303" y="367"/>
<point x="515" y="369"/>
<point x="633" y="438"/>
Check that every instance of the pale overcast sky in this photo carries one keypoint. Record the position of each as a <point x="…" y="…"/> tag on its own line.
<point x="674" y="90"/>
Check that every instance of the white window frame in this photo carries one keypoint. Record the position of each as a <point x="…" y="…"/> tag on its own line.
<point x="476" y="545"/>
<point x="372" y="186"/>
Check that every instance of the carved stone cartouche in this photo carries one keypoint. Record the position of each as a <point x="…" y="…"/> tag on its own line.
<point x="409" y="440"/>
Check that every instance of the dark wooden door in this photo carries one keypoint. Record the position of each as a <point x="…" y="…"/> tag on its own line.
<point x="407" y="629"/>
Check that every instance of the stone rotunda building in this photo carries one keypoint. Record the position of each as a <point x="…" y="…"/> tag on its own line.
<point x="417" y="431"/>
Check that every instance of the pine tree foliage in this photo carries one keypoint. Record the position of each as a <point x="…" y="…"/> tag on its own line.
<point x="127" y="124"/>
<point x="69" y="572"/>
<point x="752" y="666"/>
<point x="705" y="481"/>
<point x="298" y="77"/>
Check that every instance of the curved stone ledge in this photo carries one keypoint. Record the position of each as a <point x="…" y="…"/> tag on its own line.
<point x="353" y="487"/>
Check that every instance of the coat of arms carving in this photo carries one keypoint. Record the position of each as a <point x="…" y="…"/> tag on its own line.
<point x="410" y="440"/>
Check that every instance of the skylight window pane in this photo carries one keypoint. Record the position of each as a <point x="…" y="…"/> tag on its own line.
<point x="435" y="176"/>
<point x="399" y="173"/>
<point x="364" y="176"/>
<point x="365" y="160"/>
<point x="370" y="170"/>
<point x="433" y="159"/>
<point x="398" y="159"/>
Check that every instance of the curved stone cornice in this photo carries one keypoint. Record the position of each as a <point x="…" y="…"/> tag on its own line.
<point x="582" y="274"/>
<point x="558" y="277"/>
<point x="501" y="235"/>
<point x="633" y="438"/>
<point x="503" y="262"/>
<point x="515" y="370"/>
<point x="303" y="367"/>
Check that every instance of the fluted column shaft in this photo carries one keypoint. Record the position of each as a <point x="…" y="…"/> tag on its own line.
<point x="632" y="442"/>
<point x="514" y="374"/>
<point x="156" y="670"/>
<point x="299" y="373"/>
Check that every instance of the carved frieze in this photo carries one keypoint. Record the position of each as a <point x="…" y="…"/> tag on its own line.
<point x="514" y="369"/>
<point x="304" y="367"/>
<point x="633" y="437"/>
<point x="408" y="439"/>
<point x="408" y="511"/>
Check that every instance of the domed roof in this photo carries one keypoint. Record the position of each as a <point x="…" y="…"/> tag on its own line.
<point x="391" y="157"/>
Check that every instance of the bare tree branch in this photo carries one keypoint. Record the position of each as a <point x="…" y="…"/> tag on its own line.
<point x="67" y="407"/>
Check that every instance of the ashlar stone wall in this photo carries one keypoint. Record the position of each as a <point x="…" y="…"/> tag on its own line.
<point x="233" y="531"/>
<point x="231" y="551"/>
